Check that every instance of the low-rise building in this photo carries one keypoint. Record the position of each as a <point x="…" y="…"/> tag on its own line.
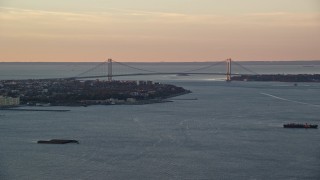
<point x="131" y="100"/>
<point x="9" y="101"/>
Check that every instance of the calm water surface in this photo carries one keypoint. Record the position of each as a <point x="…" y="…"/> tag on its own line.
<point x="232" y="131"/>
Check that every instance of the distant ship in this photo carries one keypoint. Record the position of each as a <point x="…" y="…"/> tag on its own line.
<point x="294" y="125"/>
<point x="58" y="141"/>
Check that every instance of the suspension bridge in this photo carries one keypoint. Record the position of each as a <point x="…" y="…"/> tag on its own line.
<point x="106" y="70"/>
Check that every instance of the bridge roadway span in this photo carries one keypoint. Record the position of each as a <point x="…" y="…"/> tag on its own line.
<point x="150" y="74"/>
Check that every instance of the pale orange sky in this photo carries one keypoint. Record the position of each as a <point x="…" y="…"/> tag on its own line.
<point x="154" y="30"/>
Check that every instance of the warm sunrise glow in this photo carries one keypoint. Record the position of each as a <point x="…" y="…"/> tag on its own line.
<point x="167" y="30"/>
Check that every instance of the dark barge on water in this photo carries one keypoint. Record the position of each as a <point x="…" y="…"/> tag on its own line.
<point x="58" y="141"/>
<point x="306" y="126"/>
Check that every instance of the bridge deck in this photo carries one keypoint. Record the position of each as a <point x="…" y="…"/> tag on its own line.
<point x="152" y="74"/>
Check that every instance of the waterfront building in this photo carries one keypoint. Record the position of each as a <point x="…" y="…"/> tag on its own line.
<point x="9" y="101"/>
<point x="131" y="100"/>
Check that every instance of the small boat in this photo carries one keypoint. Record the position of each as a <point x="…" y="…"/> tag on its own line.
<point x="58" y="141"/>
<point x="294" y="125"/>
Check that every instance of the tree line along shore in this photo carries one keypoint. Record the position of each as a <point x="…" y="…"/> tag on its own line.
<point x="278" y="77"/>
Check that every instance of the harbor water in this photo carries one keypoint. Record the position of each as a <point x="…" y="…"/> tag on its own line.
<point x="222" y="130"/>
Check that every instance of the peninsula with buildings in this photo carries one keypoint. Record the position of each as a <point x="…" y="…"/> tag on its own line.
<point x="72" y="92"/>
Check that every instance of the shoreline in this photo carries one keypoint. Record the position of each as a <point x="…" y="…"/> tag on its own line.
<point x="52" y="110"/>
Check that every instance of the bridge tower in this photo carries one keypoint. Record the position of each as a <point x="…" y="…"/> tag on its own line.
<point x="228" y="69"/>
<point x="109" y="69"/>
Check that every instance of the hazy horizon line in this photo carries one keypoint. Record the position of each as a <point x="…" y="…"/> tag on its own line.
<point x="158" y="61"/>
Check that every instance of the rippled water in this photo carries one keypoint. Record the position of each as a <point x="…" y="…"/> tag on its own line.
<point x="232" y="131"/>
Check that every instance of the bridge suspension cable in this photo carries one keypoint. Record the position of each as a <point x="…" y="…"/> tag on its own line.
<point x="245" y="68"/>
<point x="91" y="69"/>
<point x="203" y="68"/>
<point x="135" y="67"/>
